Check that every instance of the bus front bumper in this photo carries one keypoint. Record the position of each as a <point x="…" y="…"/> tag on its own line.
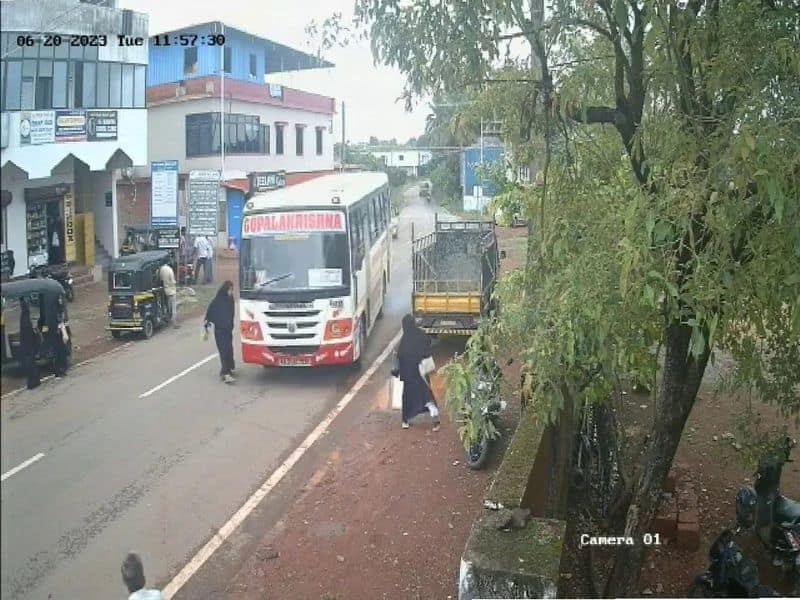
<point x="328" y="354"/>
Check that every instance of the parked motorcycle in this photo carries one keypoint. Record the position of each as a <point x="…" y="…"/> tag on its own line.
<point x="485" y="392"/>
<point x="60" y="273"/>
<point x="730" y="574"/>
<point x="774" y="517"/>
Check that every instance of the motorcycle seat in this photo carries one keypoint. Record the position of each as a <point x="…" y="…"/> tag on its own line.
<point x="787" y="511"/>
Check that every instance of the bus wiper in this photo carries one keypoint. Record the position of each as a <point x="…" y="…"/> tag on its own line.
<point x="276" y="279"/>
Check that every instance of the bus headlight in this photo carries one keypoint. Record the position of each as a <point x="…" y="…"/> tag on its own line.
<point x="338" y="328"/>
<point x="251" y="330"/>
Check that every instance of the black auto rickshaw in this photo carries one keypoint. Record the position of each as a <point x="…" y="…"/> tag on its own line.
<point x="45" y="296"/>
<point x="138" y="239"/>
<point x="137" y="302"/>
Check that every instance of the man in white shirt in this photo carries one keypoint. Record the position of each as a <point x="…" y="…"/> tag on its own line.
<point x="133" y="577"/>
<point x="167" y="276"/>
<point x="205" y="253"/>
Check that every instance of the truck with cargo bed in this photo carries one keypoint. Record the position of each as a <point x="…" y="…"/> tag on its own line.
<point x="454" y="271"/>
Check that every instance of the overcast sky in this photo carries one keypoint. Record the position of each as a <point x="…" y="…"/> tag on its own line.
<point x="369" y="92"/>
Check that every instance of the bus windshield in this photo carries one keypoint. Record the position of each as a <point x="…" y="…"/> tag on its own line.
<point x="295" y="261"/>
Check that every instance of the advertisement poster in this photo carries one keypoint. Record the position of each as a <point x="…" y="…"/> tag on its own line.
<point x="37" y="127"/>
<point x="203" y="202"/>
<point x="164" y="194"/>
<point x="168" y="238"/>
<point x="70" y="125"/>
<point x="69" y="227"/>
<point x="101" y="125"/>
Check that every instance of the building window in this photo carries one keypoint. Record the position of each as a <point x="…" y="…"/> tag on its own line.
<point x="279" y="138"/>
<point x="115" y="85"/>
<point x="298" y="139"/>
<point x="139" y="86"/>
<point x="243" y="134"/>
<point x="44" y="85"/>
<point x="227" y="59"/>
<point x="253" y="65"/>
<point x="400" y="157"/>
<point x="13" y="85"/>
<point x="319" y="140"/>
<point x="190" y="59"/>
<point x="127" y="86"/>
<point x="28" y="79"/>
<point x="89" y="81"/>
<point x="265" y="134"/>
<point x="102" y="84"/>
<point x="76" y="76"/>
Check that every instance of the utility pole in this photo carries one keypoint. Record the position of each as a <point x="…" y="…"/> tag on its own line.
<point x="480" y="193"/>
<point x="344" y="151"/>
<point x="222" y="104"/>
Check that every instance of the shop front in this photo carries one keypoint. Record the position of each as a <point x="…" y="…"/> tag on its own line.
<point x="49" y="225"/>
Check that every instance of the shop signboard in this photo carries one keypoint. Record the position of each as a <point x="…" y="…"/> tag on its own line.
<point x="263" y="181"/>
<point x="203" y="201"/>
<point x="164" y="194"/>
<point x="101" y="125"/>
<point x="69" y="226"/>
<point x="70" y="125"/>
<point x="168" y="238"/>
<point x="37" y="127"/>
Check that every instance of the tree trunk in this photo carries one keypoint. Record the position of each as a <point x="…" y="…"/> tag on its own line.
<point x="681" y="380"/>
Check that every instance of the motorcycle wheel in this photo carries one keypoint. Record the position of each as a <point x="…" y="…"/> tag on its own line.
<point x="478" y="454"/>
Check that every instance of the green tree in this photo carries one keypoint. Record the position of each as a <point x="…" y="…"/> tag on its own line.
<point x="689" y="244"/>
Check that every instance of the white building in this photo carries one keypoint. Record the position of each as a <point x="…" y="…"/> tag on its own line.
<point x="409" y="161"/>
<point x="73" y="116"/>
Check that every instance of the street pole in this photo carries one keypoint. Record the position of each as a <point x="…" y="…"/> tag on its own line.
<point x="344" y="153"/>
<point x="222" y="142"/>
<point x="480" y="194"/>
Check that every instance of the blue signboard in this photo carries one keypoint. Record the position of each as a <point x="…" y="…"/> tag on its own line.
<point x="470" y="163"/>
<point x="164" y="194"/>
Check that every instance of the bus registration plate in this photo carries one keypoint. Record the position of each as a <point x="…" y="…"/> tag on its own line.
<point x="294" y="362"/>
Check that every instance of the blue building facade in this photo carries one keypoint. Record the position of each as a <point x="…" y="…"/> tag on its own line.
<point x="475" y="195"/>
<point x="179" y="55"/>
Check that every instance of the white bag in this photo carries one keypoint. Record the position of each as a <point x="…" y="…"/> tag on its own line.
<point x="426" y="367"/>
<point x="396" y="392"/>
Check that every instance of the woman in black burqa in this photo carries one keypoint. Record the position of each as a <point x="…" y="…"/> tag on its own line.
<point x="220" y="313"/>
<point x="27" y="346"/>
<point x="414" y="347"/>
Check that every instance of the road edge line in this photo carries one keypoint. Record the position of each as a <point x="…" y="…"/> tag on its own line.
<point x="21" y="466"/>
<point x="253" y="501"/>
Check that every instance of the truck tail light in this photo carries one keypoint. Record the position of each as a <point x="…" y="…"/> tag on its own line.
<point x="338" y="328"/>
<point x="251" y="330"/>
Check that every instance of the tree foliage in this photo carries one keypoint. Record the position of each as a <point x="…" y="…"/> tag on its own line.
<point x="669" y="201"/>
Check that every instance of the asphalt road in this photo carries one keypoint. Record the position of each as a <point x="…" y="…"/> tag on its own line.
<point x="115" y="471"/>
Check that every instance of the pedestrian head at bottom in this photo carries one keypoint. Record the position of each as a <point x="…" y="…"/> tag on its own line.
<point x="133" y="577"/>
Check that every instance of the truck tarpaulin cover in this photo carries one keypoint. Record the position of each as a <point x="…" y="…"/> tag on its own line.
<point x="306" y="221"/>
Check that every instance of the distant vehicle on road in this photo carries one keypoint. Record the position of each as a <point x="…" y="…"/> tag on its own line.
<point x="425" y="190"/>
<point x="395" y="223"/>
<point x="454" y="272"/>
<point x="137" y="301"/>
<point x="314" y="270"/>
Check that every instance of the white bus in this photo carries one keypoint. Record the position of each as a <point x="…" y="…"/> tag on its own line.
<point x="314" y="270"/>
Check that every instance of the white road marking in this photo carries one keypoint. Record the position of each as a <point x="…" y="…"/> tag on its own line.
<point x="228" y="528"/>
<point x="178" y="376"/>
<point x="19" y="468"/>
<point x="75" y="366"/>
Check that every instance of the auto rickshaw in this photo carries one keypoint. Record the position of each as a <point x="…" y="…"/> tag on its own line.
<point x="137" y="302"/>
<point x="43" y="296"/>
<point x="138" y="239"/>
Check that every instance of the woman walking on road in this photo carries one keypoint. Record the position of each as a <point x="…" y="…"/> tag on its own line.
<point x="220" y="314"/>
<point x="27" y="346"/>
<point x="414" y="348"/>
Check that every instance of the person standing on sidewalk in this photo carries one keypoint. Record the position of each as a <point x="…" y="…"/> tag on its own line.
<point x="220" y="314"/>
<point x="133" y="578"/>
<point x="187" y="251"/>
<point x="414" y="347"/>
<point x="167" y="276"/>
<point x="205" y="253"/>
